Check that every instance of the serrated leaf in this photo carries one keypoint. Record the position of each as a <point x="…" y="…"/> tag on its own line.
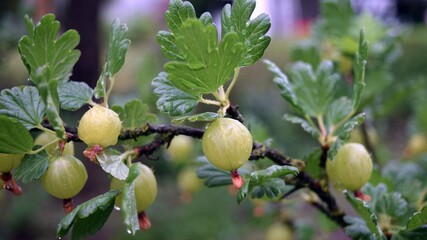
<point x="338" y="110"/>
<point x="344" y="132"/>
<point x="336" y="146"/>
<point x="73" y="95"/>
<point x="314" y="90"/>
<point x="177" y="13"/>
<point x="134" y="114"/>
<point x="304" y="124"/>
<point x="375" y="192"/>
<point x="128" y="204"/>
<point x="236" y="18"/>
<point x="89" y="217"/>
<point x="14" y="137"/>
<point x="32" y="167"/>
<point x="49" y="93"/>
<point x="337" y="16"/>
<point x="23" y="104"/>
<point x="306" y="51"/>
<point x="417" y="220"/>
<point x="43" y="47"/>
<point x="201" y="117"/>
<point x="171" y="99"/>
<point x="113" y="164"/>
<point x="274" y="171"/>
<point x="385" y="202"/>
<point x="117" y="48"/>
<point x="206" y="66"/>
<point x="213" y="176"/>
<point x="284" y="85"/>
<point x="416" y="234"/>
<point x="359" y="70"/>
<point x="392" y="204"/>
<point x="366" y="213"/>
<point x="268" y="179"/>
<point x="358" y="230"/>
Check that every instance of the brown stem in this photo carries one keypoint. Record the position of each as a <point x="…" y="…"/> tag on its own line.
<point x="165" y="133"/>
<point x="10" y="184"/>
<point x="67" y="205"/>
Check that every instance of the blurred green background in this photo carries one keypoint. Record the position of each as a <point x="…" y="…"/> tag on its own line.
<point x="211" y="213"/>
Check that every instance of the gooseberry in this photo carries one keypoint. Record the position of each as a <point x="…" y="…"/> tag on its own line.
<point x="416" y="146"/>
<point x="188" y="181"/>
<point x="9" y="161"/>
<point x="180" y="148"/>
<point x="351" y="168"/>
<point x="227" y="144"/>
<point x="278" y="231"/>
<point x="145" y="192"/>
<point x="99" y="126"/>
<point x="65" y="177"/>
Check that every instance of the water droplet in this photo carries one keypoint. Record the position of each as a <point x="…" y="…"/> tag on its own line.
<point x="117" y="208"/>
<point x="129" y="231"/>
<point x="59" y="237"/>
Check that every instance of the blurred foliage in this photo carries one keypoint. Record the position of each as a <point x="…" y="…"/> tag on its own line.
<point x="394" y="101"/>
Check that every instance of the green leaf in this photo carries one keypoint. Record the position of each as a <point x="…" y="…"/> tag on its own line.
<point x="206" y="66"/>
<point x="29" y="25"/>
<point x="117" y="48"/>
<point x="89" y="217"/>
<point x="336" y="146"/>
<point x="358" y="230"/>
<point x="49" y="93"/>
<point x="392" y="204"/>
<point x="337" y="16"/>
<point x="417" y="220"/>
<point x="312" y="163"/>
<point x="213" y="176"/>
<point x="344" y="132"/>
<point x="113" y="164"/>
<point x="171" y="99"/>
<point x="128" y="207"/>
<point x="201" y="117"/>
<point x="310" y="93"/>
<point x="251" y="33"/>
<point x="338" y="110"/>
<point x="134" y="114"/>
<point x="23" y="104"/>
<point x="304" y="124"/>
<point x="306" y="51"/>
<point x="359" y="70"/>
<point x="32" y="167"/>
<point x="416" y="234"/>
<point x="52" y="111"/>
<point x="43" y="48"/>
<point x="73" y="95"/>
<point x="14" y="137"/>
<point x="366" y="213"/>
<point x="375" y="192"/>
<point x="100" y="89"/>
<point x="177" y="13"/>
<point x="266" y="181"/>
<point x="314" y="90"/>
<point x="284" y="85"/>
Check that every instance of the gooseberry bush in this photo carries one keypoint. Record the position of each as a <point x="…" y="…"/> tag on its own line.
<point x="328" y="88"/>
